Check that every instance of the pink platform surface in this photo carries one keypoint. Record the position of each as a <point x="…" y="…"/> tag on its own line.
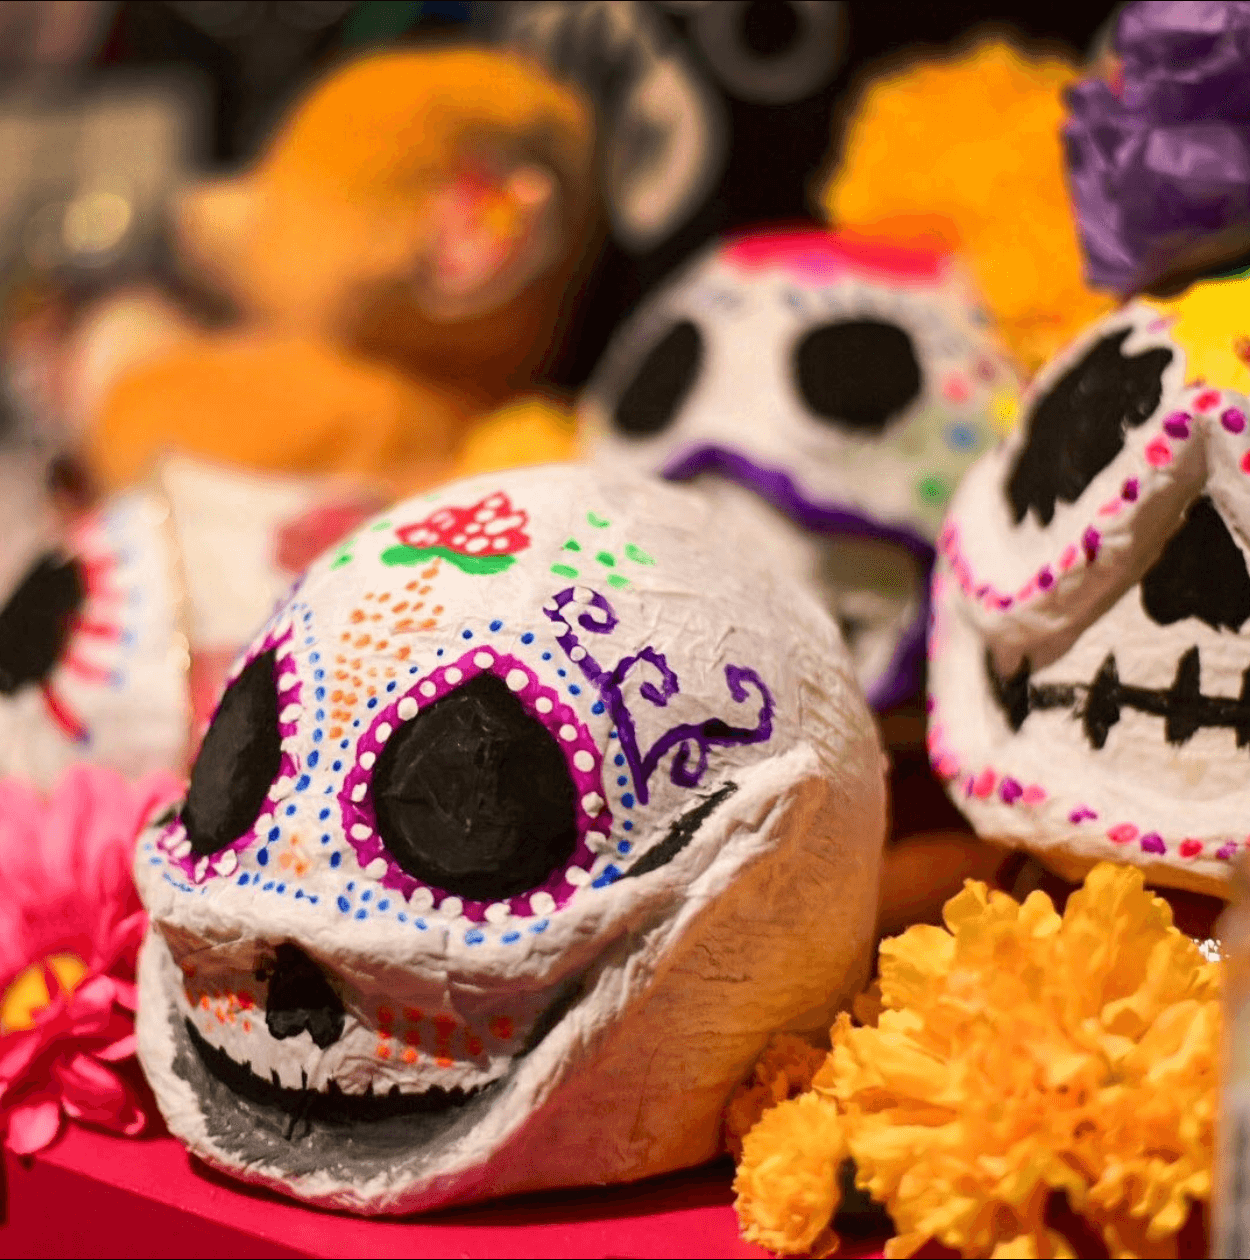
<point x="92" y="1194"/>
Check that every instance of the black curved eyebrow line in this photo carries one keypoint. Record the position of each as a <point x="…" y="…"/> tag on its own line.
<point x="681" y="832"/>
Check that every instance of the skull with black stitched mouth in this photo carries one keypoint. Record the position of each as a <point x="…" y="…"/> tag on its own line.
<point x="833" y="390"/>
<point x="518" y="830"/>
<point x="1090" y="657"/>
<point x="93" y="665"/>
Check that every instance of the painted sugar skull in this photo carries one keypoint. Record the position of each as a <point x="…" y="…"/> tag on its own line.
<point x="517" y="831"/>
<point x="1090" y="659"/>
<point x="93" y="663"/>
<point x="834" y="390"/>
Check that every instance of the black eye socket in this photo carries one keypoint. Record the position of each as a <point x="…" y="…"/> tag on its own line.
<point x="473" y="795"/>
<point x="661" y="383"/>
<point x="857" y="374"/>
<point x="35" y="622"/>
<point x="1200" y="573"/>
<point x="238" y="760"/>
<point x="1078" y="428"/>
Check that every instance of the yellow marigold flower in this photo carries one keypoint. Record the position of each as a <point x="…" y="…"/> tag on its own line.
<point x="784" y="1070"/>
<point x="973" y="139"/>
<point x="1019" y="1054"/>
<point x="787" y="1182"/>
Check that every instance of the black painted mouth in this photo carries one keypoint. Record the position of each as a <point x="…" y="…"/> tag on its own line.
<point x="331" y="1106"/>
<point x="1098" y="704"/>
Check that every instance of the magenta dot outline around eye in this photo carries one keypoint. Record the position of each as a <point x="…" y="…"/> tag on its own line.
<point x="594" y="819"/>
<point x="287" y="684"/>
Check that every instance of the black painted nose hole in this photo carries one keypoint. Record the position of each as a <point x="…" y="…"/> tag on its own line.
<point x="1200" y="573"/>
<point x="237" y="762"/>
<point x="301" y="999"/>
<point x="1078" y="428"/>
<point x="661" y="383"/>
<point x="473" y="795"/>
<point x="857" y="374"/>
<point x="769" y="29"/>
<point x="35" y="622"/>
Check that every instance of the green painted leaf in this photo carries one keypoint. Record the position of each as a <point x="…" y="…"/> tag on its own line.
<point x="637" y="555"/>
<point x="564" y="570"/>
<point x="618" y="580"/>
<point x="599" y="522"/>
<point x="607" y="559"/>
<point x="572" y="545"/>
<point x="409" y="556"/>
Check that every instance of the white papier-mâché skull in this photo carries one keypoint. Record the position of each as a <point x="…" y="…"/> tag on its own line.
<point x="1090" y="655"/>
<point x="834" y="391"/>
<point x="521" y="826"/>
<point x="93" y="661"/>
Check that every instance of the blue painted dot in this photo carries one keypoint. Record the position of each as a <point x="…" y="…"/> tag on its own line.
<point x="355" y="726"/>
<point x="627" y="799"/>
<point x="541" y="926"/>
<point x="419" y="923"/>
<point x="351" y="885"/>
<point x="335" y="859"/>
<point x="401" y="916"/>
<point x="323" y="814"/>
<point x="313" y="899"/>
<point x="337" y="766"/>
<point x="301" y="785"/>
<point x="366" y="895"/>
<point x="362" y="914"/>
<point x="564" y="673"/>
<point x="509" y="937"/>
<point x="961" y="437"/>
<point x="308" y="642"/>
<point x="574" y="689"/>
<point x="281" y="888"/>
<point x="527" y="637"/>
<point x="597" y="707"/>
<point x="326" y="838"/>
<point x="243" y="880"/>
<point x="274" y="833"/>
<point x="623" y="846"/>
<point x="319" y="676"/>
<point x="299" y="892"/>
<point x="621" y="780"/>
<point x="619" y="759"/>
<point x="612" y="733"/>
<point x="414" y="669"/>
<point x="345" y="743"/>
<point x="373" y="703"/>
<point x="628" y="825"/>
<point x="314" y="657"/>
<point x="319" y="693"/>
<point x="290" y="809"/>
<point x="390" y="686"/>
<point x="609" y="876"/>
<point x="496" y="625"/>
<point x="546" y="656"/>
<point x="384" y="904"/>
<point x="329" y="789"/>
<point x="268" y="886"/>
<point x="438" y="653"/>
<point x="320" y="715"/>
<point x="474" y="937"/>
<point x="312" y="758"/>
<point x="466" y="634"/>
<point x="318" y="735"/>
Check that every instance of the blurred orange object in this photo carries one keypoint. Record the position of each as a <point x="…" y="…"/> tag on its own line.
<point x="401" y="256"/>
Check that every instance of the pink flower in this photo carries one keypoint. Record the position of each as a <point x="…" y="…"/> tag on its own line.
<point x="70" y="927"/>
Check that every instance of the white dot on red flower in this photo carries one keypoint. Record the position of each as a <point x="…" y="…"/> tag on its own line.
<point x="458" y="541"/>
<point x="500" y="544"/>
<point x="477" y="544"/>
<point x="502" y="523"/>
<point x="473" y="528"/>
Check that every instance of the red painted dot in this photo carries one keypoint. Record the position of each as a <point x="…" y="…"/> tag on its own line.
<point x="983" y="784"/>
<point x="1122" y="833"/>
<point x="1208" y="399"/>
<point x="1245" y="462"/>
<point x="1190" y="848"/>
<point x="1158" y="453"/>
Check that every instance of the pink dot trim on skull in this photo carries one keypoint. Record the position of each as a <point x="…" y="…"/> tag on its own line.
<point x="582" y="756"/>
<point x="173" y="840"/>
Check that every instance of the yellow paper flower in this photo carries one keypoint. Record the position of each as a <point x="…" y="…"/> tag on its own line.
<point x="784" y="1070"/>
<point x="1017" y="1055"/>
<point x="1020" y="1054"/>
<point x="973" y="140"/>
<point x="787" y="1182"/>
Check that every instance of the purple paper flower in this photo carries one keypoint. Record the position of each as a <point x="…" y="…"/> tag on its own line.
<point x="1160" y="157"/>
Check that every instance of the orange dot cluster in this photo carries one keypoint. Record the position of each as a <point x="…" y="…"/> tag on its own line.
<point x="441" y="1037"/>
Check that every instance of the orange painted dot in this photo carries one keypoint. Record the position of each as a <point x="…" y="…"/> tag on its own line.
<point x="381" y="645"/>
<point x="403" y="603"/>
<point x="473" y="1044"/>
<point x="376" y="617"/>
<point x="438" y="608"/>
<point x="345" y="637"/>
<point x="432" y="571"/>
<point x="410" y="586"/>
<point x="335" y="732"/>
<point x="341" y="675"/>
<point x="362" y="641"/>
<point x="443" y="1061"/>
<point x="356" y="663"/>
<point x="382" y="599"/>
<point x="404" y="652"/>
<point x="409" y="1055"/>
<point x="412" y="1036"/>
<point x="204" y="1001"/>
<point x="402" y="626"/>
<point x="247" y="1025"/>
<point x="425" y="590"/>
<point x="357" y="616"/>
<point x="501" y="1027"/>
<point x="385" y="1015"/>
<point x="368" y="594"/>
<point x="383" y="1051"/>
<point x="428" y="624"/>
